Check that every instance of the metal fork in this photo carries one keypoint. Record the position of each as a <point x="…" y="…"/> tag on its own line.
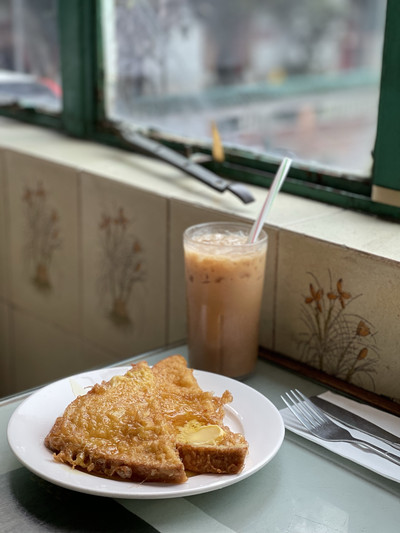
<point x="318" y="424"/>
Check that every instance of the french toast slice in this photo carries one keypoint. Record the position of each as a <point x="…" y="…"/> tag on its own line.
<point x="150" y="424"/>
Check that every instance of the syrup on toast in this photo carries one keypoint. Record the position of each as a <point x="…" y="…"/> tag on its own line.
<point x="150" y="424"/>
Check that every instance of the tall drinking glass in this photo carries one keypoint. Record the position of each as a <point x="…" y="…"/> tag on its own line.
<point x="224" y="285"/>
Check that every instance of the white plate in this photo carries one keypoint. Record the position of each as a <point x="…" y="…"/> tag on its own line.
<point x="250" y="413"/>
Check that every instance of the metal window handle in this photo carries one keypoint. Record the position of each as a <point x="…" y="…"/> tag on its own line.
<point x="157" y="150"/>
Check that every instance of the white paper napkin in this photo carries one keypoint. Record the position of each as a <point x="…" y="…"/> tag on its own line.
<point x="364" y="457"/>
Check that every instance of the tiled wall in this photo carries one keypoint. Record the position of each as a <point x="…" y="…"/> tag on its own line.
<point x="91" y="270"/>
<point x="338" y="310"/>
<point x="82" y="272"/>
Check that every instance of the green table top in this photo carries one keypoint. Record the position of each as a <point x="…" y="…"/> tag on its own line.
<point x="305" y="488"/>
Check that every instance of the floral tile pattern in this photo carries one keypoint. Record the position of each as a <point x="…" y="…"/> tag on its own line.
<point x="334" y="338"/>
<point x="43" y="230"/>
<point x="337" y="311"/>
<point x="124" y="250"/>
<point x="42" y="235"/>
<point x="121" y="264"/>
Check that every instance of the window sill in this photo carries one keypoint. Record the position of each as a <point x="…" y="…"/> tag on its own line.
<point x="335" y="225"/>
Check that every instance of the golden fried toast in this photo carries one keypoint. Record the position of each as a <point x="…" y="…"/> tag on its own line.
<point x="150" y="424"/>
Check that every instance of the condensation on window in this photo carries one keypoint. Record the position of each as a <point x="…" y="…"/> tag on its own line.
<point x="277" y="77"/>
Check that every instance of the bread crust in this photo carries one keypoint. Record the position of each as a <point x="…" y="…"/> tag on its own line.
<point x="213" y="459"/>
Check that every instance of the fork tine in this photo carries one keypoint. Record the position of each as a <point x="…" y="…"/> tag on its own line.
<point x="307" y="406"/>
<point x="296" y="412"/>
<point x="302" y="411"/>
<point x="309" y="415"/>
<point x="316" y="410"/>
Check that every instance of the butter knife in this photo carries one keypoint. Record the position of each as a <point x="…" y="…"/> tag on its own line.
<point x="356" y="422"/>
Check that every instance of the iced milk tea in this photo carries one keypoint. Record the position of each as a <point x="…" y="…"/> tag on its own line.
<point x="224" y="285"/>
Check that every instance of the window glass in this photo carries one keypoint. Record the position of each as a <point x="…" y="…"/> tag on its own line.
<point x="29" y="54"/>
<point x="276" y="76"/>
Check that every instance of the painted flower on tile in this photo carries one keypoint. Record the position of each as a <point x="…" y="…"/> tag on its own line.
<point x="340" y="294"/>
<point x="42" y="234"/>
<point x="121" y="264"/>
<point x="315" y="297"/>
<point x="335" y="339"/>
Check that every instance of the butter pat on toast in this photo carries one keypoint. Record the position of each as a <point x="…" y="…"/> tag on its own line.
<point x="151" y="424"/>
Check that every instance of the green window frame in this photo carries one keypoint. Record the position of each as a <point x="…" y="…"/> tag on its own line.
<point x="83" y="116"/>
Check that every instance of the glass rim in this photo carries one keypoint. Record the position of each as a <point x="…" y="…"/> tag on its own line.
<point x="191" y="230"/>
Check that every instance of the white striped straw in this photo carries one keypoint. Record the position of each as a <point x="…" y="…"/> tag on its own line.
<point x="273" y="191"/>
